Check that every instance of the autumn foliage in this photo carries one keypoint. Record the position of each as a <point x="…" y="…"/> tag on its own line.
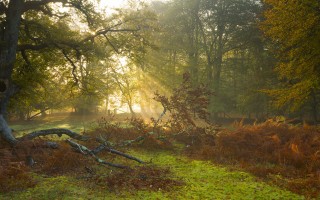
<point x="267" y="150"/>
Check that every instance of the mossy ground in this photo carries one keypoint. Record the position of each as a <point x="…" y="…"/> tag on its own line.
<point x="202" y="180"/>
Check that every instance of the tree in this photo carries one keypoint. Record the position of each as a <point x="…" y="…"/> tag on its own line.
<point x="126" y="83"/>
<point x="219" y="43"/>
<point x="40" y="82"/>
<point x="43" y="27"/>
<point x="223" y="26"/>
<point x="294" y="28"/>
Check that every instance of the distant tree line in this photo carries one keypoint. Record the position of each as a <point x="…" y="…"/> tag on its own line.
<point x="261" y="59"/>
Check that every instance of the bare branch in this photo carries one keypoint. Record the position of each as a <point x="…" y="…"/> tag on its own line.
<point x="25" y="57"/>
<point x="74" y="66"/>
<point x="24" y="47"/>
<point x="37" y="114"/>
<point x="104" y="147"/>
<point x="105" y="31"/>
<point x="53" y="131"/>
<point x="3" y="8"/>
<point x="84" y="149"/>
<point x="112" y="45"/>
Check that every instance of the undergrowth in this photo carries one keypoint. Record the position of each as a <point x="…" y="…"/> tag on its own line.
<point x="286" y="155"/>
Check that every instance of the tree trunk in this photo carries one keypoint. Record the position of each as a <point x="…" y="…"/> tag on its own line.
<point x="193" y="52"/>
<point x="8" y="51"/>
<point x="217" y="68"/>
<point x="314" y="106"/>
<point x="133" y="114"/>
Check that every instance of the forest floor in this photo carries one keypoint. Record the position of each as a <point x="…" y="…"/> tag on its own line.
<point x="174" y="169"/>
<point x="197" y="180"/>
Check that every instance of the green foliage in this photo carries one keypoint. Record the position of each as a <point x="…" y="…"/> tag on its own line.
<point x="38" y="86"/>
<point x="294" y="28"/>
<point x="65" y="54"/>
<point x="219" y="44"/>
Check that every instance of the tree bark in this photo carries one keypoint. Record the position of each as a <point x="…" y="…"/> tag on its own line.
<point x="193" y="52"/>
<point x="8" y="50"/>
<point x="314" y="106"/>
<point x="6" y="131"/>
<point x="104" y="147"/>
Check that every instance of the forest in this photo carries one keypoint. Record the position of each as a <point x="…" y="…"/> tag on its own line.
<point x="159" y="99"/>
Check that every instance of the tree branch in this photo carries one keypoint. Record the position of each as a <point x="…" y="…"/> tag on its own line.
<point x="105" y="31"/>
<point x="160" y="117"/>
<point x="112" y="45"/>
<point x="3" y="8"/>
<point x="36" y="5"/>
<point x="74" y="67"/>
<point x="25" y="57"/>
<point x="84" y="150"/>
<point x="53" y="131"/>
<point x="33" y="116"/>
<point x="104" y="147"/>
<point x="24" y="47"/>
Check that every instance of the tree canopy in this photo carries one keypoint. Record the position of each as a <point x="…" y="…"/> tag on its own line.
<point x="294" y="28"/>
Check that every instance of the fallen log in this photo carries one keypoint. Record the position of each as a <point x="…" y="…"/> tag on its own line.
<point x="86" y="151"/>
<point x="54" y="131"/>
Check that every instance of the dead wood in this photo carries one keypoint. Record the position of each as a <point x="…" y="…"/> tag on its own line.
<point x="54" y="131"/>
<point x="86" y="151"/>
<point x="103" y="147"/>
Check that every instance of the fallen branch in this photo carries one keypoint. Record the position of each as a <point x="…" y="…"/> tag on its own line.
<point x="84" y="150"/>
<point x="54" y="131"/>
<point x="103" y="147"/>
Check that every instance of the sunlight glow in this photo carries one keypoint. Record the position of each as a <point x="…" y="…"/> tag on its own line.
<point x="112" y="3"/>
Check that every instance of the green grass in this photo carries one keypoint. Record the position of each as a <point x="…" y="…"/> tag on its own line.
<point x="203" y="180"/>
<point x="75" y="123"/>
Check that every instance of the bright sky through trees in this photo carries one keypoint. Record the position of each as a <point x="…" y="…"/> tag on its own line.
<point x="112" y="3"/>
